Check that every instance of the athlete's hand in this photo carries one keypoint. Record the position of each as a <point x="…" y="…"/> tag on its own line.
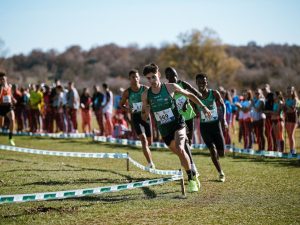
<point x="207" y="111"/>
<point x="225" y="124"/>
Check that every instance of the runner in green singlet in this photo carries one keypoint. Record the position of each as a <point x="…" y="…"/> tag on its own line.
<point x="159" y="99"/>
<point x="185" y="108"/>
<point x="133" y="95"/>
<point x="210" y="127"/>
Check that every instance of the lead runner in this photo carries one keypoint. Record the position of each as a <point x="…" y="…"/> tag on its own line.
<point x="159" y="99"/>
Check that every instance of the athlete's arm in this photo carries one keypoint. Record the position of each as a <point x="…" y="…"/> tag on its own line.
<point x="145" y="106"/>
<point x="191" y="89"/>
<point x="124" y="99"/>
<point x="220" y="100"/>
<point x="177" y="89"/>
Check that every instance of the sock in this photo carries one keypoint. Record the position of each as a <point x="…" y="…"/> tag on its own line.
<point x="190" y="174"/>
<point x="10" y="135"/>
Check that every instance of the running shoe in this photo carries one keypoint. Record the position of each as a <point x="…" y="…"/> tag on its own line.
<point x="222" y="177"/>
<point x="192" y="186"/>
<point x="11" y="142"/>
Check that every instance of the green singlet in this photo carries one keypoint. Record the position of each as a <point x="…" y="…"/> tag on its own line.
<point x="135" y="100"/>
<point x="210" y="103"/>
<point x="164" y="109"/>
<point x="180" y="101"/>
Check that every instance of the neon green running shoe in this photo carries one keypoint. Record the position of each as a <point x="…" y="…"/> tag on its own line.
<point x="11" y="142"/>
<point x="222" y="177"/>
<point x="196" y="178"/>
<point x="192" y="186"/>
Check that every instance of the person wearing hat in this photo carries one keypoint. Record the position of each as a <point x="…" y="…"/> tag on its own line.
<point x="6" y="106"/>
<point x="133" y="95"/>
<point x="159" y="100"/>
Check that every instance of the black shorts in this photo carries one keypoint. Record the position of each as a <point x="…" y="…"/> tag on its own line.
<point x="137" y="122"/>
<point x="4" y="109"/>
<point x="170" y="137"/>
<point x="212" y="135"/>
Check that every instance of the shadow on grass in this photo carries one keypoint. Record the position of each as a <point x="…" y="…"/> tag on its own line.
<point x="92" y="200"/>
<point x="275" y="161"/>
<point x="127" y="179"/>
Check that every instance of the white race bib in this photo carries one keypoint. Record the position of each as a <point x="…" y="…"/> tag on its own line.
<point x="214" y="115"/>
<point x="137" y="107"/>
<point x="164" y="116"/>
<point x="6" y="99"/>
<point x="180" y="102"/>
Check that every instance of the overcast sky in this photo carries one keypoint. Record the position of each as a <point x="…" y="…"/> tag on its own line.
<point x="58" y="24"/>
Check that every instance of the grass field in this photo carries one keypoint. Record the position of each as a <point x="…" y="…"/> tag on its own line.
<point x="256" y="191"/>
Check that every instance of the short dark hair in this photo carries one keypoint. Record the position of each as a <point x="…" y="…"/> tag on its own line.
<point x="2" y="74"/>
<point x="170" y="71"/>
<point x="201" y="76"/>
<point x="150" y="68"/>
<point x="133" y="71"/>
<point x="105" y="85"/>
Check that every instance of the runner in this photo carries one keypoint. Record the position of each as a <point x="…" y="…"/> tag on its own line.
<point x="134" y="97"/>
<point x="159" y="99"/>
<point x="185" y="108"/>
<point x="210" y="126"/>
<point x="6" y="106"/>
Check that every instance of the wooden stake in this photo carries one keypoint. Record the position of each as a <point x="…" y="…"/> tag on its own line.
<point x="182" y="185"/>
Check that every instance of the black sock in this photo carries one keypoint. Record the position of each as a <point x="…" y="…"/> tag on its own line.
<point x="190" y="174"/>
<point x="10" y="135"/>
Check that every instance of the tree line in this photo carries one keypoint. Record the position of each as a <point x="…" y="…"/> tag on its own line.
<point x="195" y="51"/>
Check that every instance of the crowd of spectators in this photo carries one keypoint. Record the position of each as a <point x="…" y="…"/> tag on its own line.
<point x="262" y="116"/>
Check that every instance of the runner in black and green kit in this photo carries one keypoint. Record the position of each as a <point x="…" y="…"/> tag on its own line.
<point x="134" y="97"/>
<point x="185" y="108"/>
<point x="210" y="127"/>
<point x="159" y="99"/>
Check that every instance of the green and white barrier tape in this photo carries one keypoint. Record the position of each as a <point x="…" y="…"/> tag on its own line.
<point x="83" y="192"/>
<point x="90" y="155"/>
<point x="230" y="148"/>
<point x="155" y="144"/>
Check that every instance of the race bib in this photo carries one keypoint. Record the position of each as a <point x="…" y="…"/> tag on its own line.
<point x="164" y="116"/>
<point x="137" y="107"/>
<point x="6" y="99"/>
<point x="180" y="102"/>
<point x="214" y="116"/>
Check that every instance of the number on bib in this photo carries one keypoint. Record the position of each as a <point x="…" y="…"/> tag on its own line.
<point x="137" y="107"/>
<point x="164" y="116"/>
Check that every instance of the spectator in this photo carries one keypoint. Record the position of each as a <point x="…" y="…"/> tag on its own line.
<point x="108" y="109"/>
<point x="97" y="100"/>
<point x="86" y="114"/>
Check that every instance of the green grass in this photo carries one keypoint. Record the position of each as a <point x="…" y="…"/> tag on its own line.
<point x="256" y="191"/>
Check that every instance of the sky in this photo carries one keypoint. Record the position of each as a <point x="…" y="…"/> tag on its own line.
<point x="58" y="24"/>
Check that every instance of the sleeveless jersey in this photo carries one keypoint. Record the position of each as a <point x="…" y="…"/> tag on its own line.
<point x="5" y="95"/>
<point x="180" y="101"/>
<point x="135" y="100"/>
<point x="210" y="103"/>
<point x="164" y="109"/>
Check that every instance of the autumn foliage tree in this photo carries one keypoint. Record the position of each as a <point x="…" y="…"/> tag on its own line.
<point x="201" y="51"/>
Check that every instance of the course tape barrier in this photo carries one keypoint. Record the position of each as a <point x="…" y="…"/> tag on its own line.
<point x="90" y="155"/>
<point x="83" y="192"/>
<point x="51" y="135"/>
<point x="230" y="148"/>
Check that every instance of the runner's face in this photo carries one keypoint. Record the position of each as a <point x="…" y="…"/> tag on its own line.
<point x="153" y="79"/>
<point x="201" y="83"/>
<point x="172" y="78"/>
<point x="134" y="78"/>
